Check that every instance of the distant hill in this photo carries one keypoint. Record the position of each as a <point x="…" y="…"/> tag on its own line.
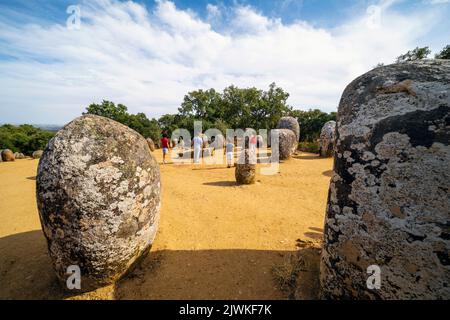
<point x="48" y="127"/>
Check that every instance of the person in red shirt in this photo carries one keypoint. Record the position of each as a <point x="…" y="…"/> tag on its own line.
<point x="165" y="146"/>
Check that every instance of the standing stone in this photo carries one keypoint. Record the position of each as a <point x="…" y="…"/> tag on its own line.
<point x="389" y="202"/>
<point x="151" y="144"/>
<point x="98" y="195"/>
<point x="326" y="141"/>
<point x="290" y="123"/>
<point x="245" y="171"/>
<point x="287" y="143"/>
<point x="37" y="154"/>
<point x="7" y="155"/>
<point x="19" y="155"/>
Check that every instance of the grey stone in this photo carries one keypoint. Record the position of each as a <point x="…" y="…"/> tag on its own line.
<point x="98" y="195"/>
<point x="245" y="171"/>
<point x="37" y="154"/>
<point x="389" y="202"/>
<point x="326" y="141"/>
<point x="290" y="123"/>
<point x="19" y="155"/>
<point x="287" y="143"/>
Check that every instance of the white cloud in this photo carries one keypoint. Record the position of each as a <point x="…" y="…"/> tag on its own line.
<point x="213" y="12"/>
<point x="149" y="60"/>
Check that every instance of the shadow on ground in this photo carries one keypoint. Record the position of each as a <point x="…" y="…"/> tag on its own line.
<point x="307" y="157"/>
<point x="221" y="183"/>
<point x="26" y="273"/>
<point x="328" y="173"/>
<point x="25" y="268"/>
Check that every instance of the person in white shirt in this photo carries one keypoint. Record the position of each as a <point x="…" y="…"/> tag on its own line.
<point x="198" y="143"/>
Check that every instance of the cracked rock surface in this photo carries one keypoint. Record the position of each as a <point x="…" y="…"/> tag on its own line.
<point x="389" y="202"/>
<point x="98" y="196"/>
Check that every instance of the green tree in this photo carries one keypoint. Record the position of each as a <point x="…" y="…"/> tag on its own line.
<point x="109" y="110"/>
<point x="138" y="122"/>
<point x="311" y="123"/>
<point x="416" y="54"/>
<point x="24" y="138"/>
<point x="444" y="54"/>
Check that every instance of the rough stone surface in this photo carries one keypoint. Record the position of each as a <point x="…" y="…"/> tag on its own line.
<point x="151" y="144"/>
<point x="290" y="123"/>
<point x="326" y="141"/>
<point x="19" y="155"/>
<point x="7" y="155"/>
<point x="245" y="169"/>
<point x="98" y="195"/>
<point x="37" y="154"/>
<point x="287" y="143"/>
<point x="389" y="201"/>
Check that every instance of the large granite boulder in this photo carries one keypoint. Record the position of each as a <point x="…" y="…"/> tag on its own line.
<point x="287" y="144"/>
<point x="290" y="123"/>
<point x="7" y="155"/>
<point x="245" y="171"/>
<point x="388" y="212"/>
<point x="326" y="141"/>
<point x="98" y="195"/>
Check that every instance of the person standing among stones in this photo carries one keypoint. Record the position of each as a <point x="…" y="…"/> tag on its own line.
<point x="229" y="153"/>
<point x="165" y="146"/>
<point x="253" y="143"/>
<point x="197" y="142"/>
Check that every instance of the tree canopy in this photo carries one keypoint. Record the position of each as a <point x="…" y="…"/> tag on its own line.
<point x="233" y="108"/>
<point x="415" y="54"/>
<point x="444" y="54"/>
<point x="24" y="138"/>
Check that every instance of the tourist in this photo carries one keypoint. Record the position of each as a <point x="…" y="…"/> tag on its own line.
<point x="198" y="144"/>
<point x="165" y="146"/>
<point x="229" y="153"/>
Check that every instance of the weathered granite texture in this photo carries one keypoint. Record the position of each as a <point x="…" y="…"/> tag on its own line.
<point x="98" y="195"/>
<point x="389" y="202"/>
<point x="287" y="144"/>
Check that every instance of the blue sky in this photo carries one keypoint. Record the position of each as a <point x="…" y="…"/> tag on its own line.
<point x="148" y="54"/>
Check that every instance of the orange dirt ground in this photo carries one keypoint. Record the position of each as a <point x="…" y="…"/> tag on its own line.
<point x="216" y="240"/>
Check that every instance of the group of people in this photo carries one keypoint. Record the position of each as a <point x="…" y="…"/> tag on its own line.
<point x="197" y="145"/>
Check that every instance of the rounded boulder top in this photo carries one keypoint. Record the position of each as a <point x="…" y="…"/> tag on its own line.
<point x="290" y="123"/>
<point x="7" y="155"/>
<point x="98" y="195"/>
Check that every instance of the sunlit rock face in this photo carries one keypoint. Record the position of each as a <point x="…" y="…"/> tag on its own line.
<point x="98" y="195"/>
<point x="389" y="201"/>
<point x="290" y="123"/>
<point x="326" y="143"/>
<point x="287" y="143"/>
